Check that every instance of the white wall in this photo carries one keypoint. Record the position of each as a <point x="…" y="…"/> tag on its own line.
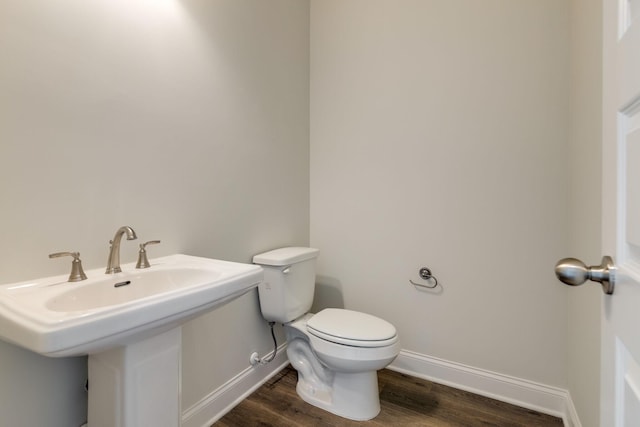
<point x="438" y="138"/>
<point x="583" y="366"/>
<point x="188" y="121"/>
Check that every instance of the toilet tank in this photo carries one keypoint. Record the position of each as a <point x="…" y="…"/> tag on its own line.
<point x="287" y="289"/>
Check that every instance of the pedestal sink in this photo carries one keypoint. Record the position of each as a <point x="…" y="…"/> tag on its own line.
<point x="129" y="325"/>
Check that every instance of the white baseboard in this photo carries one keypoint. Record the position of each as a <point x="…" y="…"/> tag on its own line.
<point x="220" y="401"/>
<point x="527" y="394"/>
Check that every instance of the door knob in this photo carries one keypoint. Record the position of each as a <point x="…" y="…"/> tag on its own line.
<point x="574" y="272"/>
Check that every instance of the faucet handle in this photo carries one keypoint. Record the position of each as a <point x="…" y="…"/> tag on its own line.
<point x="143" y="261"/>
<point x="77" y="273"/>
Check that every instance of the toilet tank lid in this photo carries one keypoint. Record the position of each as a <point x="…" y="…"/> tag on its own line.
<point x="285" y="256"/>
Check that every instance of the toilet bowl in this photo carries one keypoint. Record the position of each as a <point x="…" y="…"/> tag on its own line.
<point x="336" y="352"/>
<point x="339" y="377"/>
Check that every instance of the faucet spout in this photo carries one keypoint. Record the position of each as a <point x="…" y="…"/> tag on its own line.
<point x="113" y="263"/>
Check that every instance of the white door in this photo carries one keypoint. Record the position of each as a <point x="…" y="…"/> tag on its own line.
<point x="620" y="380"/>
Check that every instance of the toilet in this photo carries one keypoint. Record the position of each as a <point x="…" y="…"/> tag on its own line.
<point x="336" y="352"/>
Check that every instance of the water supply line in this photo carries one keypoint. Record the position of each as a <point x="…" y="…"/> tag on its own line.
<point x="255" y="358"/>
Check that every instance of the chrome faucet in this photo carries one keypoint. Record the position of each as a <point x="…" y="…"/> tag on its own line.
<point x="113" y="263"/>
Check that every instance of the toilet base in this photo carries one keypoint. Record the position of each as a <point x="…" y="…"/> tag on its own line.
<point x="352" y="395"/>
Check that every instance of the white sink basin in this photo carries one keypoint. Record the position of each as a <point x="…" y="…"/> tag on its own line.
<point x="128" y="287"/>
<point x="57" y="318"/>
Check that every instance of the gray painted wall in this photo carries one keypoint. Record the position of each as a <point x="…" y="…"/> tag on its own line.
<point x="187" y="121"/>
<point x="439" y="138"/>
<point x="585" y="160"/>
<point x="190" y="122"/>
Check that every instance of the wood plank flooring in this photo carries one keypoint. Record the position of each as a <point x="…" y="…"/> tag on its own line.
<point x="404" y="401"/>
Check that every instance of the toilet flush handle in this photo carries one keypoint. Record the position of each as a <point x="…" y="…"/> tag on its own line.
<point x="286" y="270"/>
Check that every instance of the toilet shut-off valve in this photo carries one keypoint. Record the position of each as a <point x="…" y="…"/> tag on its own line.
<point x="143" y="261"/>
<point x="77" y="273"/>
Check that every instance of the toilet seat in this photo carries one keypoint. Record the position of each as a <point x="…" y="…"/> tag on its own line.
<point x="352" y="328"/>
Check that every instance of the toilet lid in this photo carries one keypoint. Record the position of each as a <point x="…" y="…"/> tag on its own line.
<point x="351" y="328"/>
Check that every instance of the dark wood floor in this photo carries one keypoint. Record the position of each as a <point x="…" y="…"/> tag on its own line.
<point x="404" y="401"/>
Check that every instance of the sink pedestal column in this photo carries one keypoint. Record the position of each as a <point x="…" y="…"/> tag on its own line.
<point x="138" y="384"/>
